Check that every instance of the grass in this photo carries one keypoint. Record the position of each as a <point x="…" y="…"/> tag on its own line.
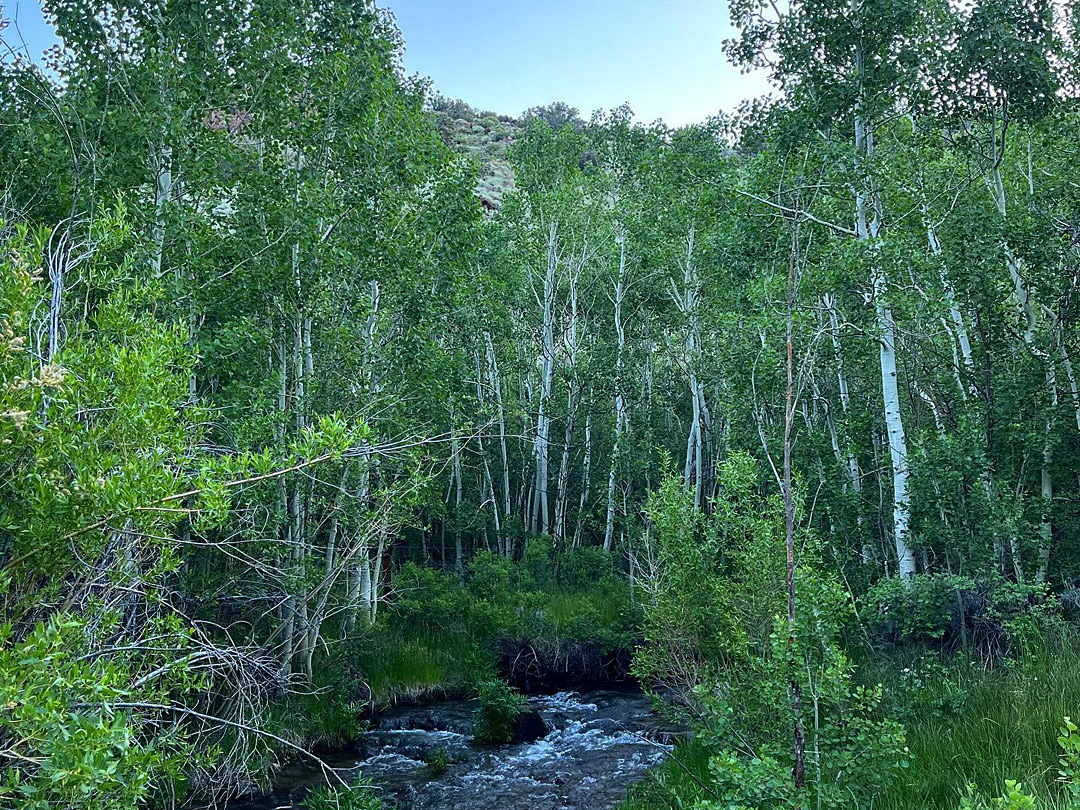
<point x="978" y="726"/>
<point x="397" y="665"/>
<point x="676" y="783"/>
<point x="400" y="665"/>
<point x="966" y="724"/>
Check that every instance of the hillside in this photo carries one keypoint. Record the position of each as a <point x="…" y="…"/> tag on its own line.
<point x="485" y="136"/>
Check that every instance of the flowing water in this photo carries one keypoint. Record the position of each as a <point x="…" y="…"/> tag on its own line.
<point x="597" y="744"/>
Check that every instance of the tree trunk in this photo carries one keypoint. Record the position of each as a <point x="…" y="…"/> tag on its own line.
<point x="543" y="418"/>
<point x="868" y="231"/>
<point x="585" y="470"/>
<point x="563" y="482"/>
<point x="161" y="163"/>
<point x="620" y="402"/>
<point x="694" y="474"/>
<point x="493" y="377"/>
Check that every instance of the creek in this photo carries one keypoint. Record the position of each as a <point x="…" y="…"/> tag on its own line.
<point x="597" y="743"/>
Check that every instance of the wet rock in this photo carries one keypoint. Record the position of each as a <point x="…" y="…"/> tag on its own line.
<point x="529" y="726"/>
<point x="456" y="716"/>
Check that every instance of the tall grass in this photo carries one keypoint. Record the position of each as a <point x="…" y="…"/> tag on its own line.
<point x="973" y="725"/>
<point x="677" y="783"/>
<point x="386" y="666"/>
<point x="400" y="664"/>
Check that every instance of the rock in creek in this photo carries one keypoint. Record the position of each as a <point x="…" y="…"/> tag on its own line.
<point x="529" y="726"/>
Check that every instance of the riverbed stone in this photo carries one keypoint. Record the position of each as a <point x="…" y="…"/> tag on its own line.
<point x="529" y="726"/>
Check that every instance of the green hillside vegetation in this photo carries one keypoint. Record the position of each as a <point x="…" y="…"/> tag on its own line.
<point x="482" y="136"/>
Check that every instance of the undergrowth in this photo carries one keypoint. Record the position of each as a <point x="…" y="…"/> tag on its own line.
<point x="968" y="723"/>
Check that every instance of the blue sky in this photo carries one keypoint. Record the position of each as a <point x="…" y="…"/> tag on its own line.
<point x="664" y="57"/>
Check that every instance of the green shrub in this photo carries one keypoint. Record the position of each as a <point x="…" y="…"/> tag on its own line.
<point x="437" y="761"/>
<point x="536" y="569"/>
<point x="65" y="723"/>
<point x="430" y="599"/>
<point x="490" y="576"/>
<point x="499" y="708"/>
<point x="853" y="752"/>
<point x="990" y="614"/>
<point x="717" y="637"/>
<point x="360" y="795"/>
<point x="1069" y="775"/>
<point x="1013" y="799"/>
<point x="582" y="568"/>
<point x="925" y="688"/>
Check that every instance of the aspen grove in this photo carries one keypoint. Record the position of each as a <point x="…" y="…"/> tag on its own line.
<point x="795" y="387"/>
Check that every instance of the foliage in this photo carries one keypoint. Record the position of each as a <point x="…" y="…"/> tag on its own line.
<point x="1069" y="773"/>
<point x="286" y="338"/>
<point x="360" y="795"/>
<point x="967" y="723"/>
<point x="737" y="683"/>
<point x="1014" y="798"/>
<point x="499" y="708"/>
<point x="713" y="586"/>
<point x="437" y="761"/>
<point x="991" y="614"/>
<point x="71" y="719"/>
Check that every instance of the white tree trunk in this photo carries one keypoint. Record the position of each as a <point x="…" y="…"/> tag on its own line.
<point x="585" y="470"/>
<point x="694" y="473"/>
<point x="547" y="367"/>
<point x="895" y="429"/>
<point x="488" y="489"/>
<point x="496" y="387"/>
<point x="869" y="232"/>
<point x="161" y="163"/>
<point x="455" y="451"/>
<point x="620" y="401"/>
<point x="562" y="487"/>
<point x="563" y="484"/>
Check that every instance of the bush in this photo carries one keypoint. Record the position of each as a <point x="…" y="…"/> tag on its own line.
<point x="77" y="747"/>
<point x="358" y="796"/>
<point x="429" y="599"/>
<point x="717" y="638"/>
<point x="926" y="689"/>
<point x="499" y="708"/>
<point x="490" y="575"/>
<point x="991" y="614"/>
<point x="581" y="568"/>
<point x="535" y="572"/>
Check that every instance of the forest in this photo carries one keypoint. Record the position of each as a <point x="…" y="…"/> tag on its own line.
<point x="772" y="419"/>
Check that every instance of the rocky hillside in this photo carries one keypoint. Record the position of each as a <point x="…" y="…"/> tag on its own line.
<point x="484" y="136"/>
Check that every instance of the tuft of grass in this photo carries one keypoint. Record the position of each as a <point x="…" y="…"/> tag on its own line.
<point x="437" y="762"/>
<point x="323" y="715"/>
<point x="499" y="708"/>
